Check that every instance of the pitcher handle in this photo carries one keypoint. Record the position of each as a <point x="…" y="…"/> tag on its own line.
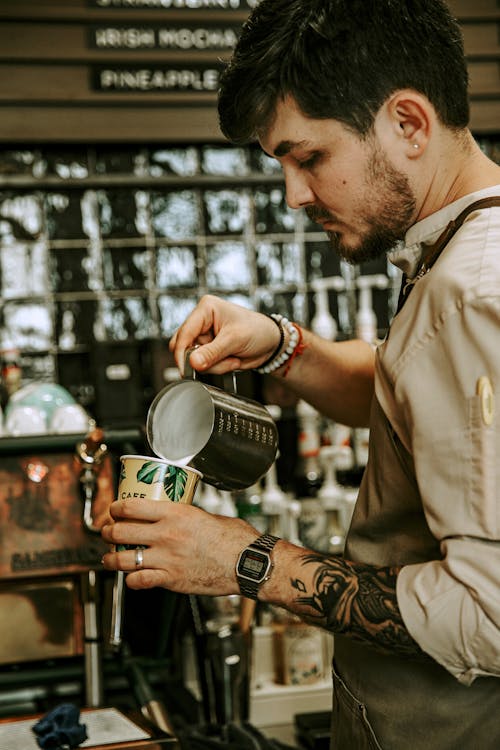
<point x="189" y="372"/>
<point x="229" y="378"/>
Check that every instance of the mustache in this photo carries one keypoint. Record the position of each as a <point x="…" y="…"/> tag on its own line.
<point x="318" y="215"/>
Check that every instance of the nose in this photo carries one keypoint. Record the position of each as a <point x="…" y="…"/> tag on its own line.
<point x="298" y="191"/>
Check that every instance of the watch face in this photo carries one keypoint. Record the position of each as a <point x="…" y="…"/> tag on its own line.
<point x="253" y="565"/>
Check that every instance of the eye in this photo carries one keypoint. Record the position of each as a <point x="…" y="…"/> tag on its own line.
<point x="310" y="161"/>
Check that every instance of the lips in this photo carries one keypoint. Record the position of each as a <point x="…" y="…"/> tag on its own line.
<point x="328" y="225"/>
<point x="319" y="218"/>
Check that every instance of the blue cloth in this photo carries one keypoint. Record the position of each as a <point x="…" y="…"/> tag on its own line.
<point x="60" y="728"/>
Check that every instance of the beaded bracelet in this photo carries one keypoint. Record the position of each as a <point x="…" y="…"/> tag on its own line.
<point x="278" y="359"/>
<point x="298" y="349"/>
<point x="277" y="320"/>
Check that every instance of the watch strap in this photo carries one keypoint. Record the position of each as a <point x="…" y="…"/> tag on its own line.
<point x="263" y="543"/>
<point x="250" y="589"/>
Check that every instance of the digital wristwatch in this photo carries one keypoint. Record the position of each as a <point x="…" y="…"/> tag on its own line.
<point x="254" y="565"/>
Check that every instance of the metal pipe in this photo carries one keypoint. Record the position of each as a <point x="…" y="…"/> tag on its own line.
<point x="117" y="605"/>
<point x="93" y="663"/>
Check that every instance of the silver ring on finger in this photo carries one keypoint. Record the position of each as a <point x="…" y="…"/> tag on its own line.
<point x="139" y="558"/>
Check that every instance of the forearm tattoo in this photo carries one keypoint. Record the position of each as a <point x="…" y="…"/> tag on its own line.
<point x="357" y="600"/>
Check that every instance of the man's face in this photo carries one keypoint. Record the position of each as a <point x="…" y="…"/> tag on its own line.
<point x="344" y="183"/>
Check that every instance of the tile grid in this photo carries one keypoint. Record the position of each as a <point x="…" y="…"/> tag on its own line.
<point x="117" y="245"/>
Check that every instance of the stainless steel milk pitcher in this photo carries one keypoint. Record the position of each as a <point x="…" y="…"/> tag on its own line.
<point x="232" y="440"/>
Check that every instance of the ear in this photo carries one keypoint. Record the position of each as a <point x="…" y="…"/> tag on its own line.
<point x="410" y="117"/>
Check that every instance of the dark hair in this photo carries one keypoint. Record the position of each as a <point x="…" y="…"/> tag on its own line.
<point x="341" y="59"/>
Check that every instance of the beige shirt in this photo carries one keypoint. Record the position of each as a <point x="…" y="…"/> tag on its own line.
<point x="433" y="373"/>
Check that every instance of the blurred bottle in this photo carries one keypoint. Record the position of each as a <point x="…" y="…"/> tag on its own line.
<point x="312" y="525"/>
<point x="366" y="319"/>
<point x="366" y="330"/>
<point x="341" y="436"/>
<point x="274" y="500"/>
<point x="248" y="504"/>
<point x="323" y="322"/>
<point x="299" y="650"/>
<point x="274" y="503"/>
<point x="286" y="460"/>
<point x="331" y="495"/>
<point x="209" y="498"/>
<point x="308" y="474"/>
<point x="10" y="373"/>
<point x="291" y="521"/>
<point x="227" y="504"/>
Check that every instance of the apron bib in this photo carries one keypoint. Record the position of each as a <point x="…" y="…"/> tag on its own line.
<point x="385" y="702"/>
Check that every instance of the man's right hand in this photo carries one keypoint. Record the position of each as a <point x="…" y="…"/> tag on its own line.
<point x="229" y="337"/>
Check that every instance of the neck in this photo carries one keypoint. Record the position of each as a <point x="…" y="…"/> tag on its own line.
<point x="461" y="168"/>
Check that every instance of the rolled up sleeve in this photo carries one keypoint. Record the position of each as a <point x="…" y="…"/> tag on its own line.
<point x="451" y="606"/>
<point x="452" y="610"/>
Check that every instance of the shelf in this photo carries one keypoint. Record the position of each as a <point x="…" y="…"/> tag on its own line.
<point x="65" y="442"/>
<point x="272" y="704"/>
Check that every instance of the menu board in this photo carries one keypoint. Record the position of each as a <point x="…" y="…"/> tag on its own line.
<point x="174" y="4"/>
<point x="148" y="70"/>
<point x="126" y="70"/>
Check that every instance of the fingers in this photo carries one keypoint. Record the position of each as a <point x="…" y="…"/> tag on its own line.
<point x="139" y="509"/>
<point x="126" y="559"/>
<point x="198" y="328"/>
<point x="135" y="558"/>
<point x="188" y="550"/>
<point x="130" y="525"/>
<point x="144" y="576"/>
<point x="130" y="534"/>
<point x="145" y="522"/>
<point x="148" y="579"/>
<point x="223" y="332"/>
<point x="145" y="567"/>
<point x="213" y="357"/>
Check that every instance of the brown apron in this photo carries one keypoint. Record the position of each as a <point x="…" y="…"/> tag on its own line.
<point x="385" y="702"/>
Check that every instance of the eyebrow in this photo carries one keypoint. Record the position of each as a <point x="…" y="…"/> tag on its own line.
<point x="284" y="147"/>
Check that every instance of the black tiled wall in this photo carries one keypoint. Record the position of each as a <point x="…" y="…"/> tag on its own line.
<point x="116" y="245"/>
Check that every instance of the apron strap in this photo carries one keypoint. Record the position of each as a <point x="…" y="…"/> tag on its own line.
<point x="437" y="248"/>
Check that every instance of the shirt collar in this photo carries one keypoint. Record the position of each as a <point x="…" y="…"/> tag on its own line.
<point x="407" y="255"/>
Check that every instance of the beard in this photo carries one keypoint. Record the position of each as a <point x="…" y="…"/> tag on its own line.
<point x="387" y="214"/>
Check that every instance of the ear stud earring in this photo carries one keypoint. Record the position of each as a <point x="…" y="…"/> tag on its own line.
<point x="416" y="146"/>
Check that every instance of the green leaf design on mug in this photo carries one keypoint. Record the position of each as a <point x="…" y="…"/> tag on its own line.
<point x="174" y="479"/>
<point x="175" y="483"/>
<point x="150" y="472"/>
